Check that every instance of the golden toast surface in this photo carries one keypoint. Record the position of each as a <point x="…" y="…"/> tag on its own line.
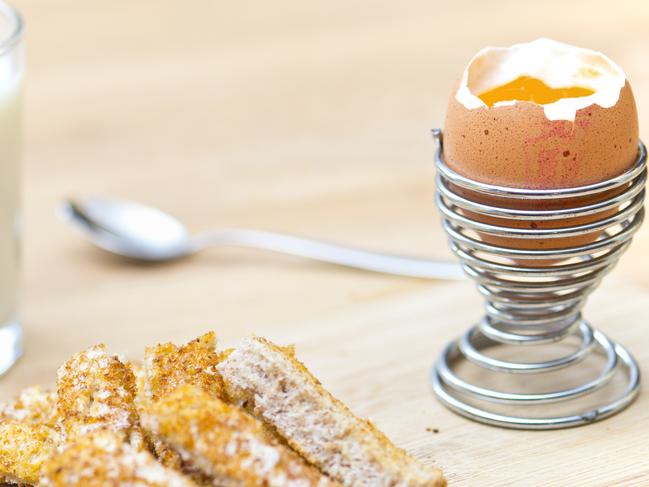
<point x="103" y="459"/>
<point x="32" y="405"/>
<point x="226" y="443"/>
<point x="24" y="448"/>
<point x="167" y="366"/>
<point x="27" y="435"/>
<point x="96" y="391"/>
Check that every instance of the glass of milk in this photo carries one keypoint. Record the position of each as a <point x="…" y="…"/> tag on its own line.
<point x="11" y="75"/>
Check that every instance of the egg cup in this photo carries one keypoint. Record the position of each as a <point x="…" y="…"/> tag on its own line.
<point x="534" y="297"/>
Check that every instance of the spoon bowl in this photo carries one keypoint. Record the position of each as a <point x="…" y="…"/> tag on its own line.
<point x="129" y="229"/>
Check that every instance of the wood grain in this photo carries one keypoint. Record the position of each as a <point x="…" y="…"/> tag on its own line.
<point x="310" y="118"/>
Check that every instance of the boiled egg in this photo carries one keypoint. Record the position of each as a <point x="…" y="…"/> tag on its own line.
<point x="541" y="115"/>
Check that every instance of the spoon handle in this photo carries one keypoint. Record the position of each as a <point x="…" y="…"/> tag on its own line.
<point x="331" y="253"/>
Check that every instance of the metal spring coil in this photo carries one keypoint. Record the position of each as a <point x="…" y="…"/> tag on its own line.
<point x="535" y="296"/>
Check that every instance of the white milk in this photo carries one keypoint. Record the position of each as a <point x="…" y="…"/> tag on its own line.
<point x="9" y="199"/>
<point x="11" y="74"/>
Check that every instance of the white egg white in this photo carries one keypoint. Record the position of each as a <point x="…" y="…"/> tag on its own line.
<point x="557" y="64"/>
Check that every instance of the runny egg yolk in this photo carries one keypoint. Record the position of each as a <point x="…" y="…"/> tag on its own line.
<point x="526" y="88"/>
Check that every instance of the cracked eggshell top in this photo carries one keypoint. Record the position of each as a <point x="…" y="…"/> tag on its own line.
<point x="571" y="142"/>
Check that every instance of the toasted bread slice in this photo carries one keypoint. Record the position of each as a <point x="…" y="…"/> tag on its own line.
<point x="27" y="435"/>
<point x="24" y="447"/>
<point x="165" y="368"/>
<point x="225" y="443"/>
<point x="102" y="459"/>
<point x="95" y="391"/>
<point x="33" y="405"/>
<point x="163" y="453"/>
<point x="168" y="366"/>
<point x="279" y="390"/>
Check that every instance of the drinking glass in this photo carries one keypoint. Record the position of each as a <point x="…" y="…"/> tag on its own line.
<point x="11" y="76"/>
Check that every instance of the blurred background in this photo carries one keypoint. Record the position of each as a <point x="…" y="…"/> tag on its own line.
<point x="305" y="117"/>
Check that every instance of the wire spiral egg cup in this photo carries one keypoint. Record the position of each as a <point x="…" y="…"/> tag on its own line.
<point x="535" y="297"/>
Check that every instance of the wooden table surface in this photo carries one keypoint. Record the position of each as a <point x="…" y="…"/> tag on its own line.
<point x="311" y="118"/>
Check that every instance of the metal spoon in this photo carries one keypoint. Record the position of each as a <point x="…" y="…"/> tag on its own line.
<point x="140" y="232"/>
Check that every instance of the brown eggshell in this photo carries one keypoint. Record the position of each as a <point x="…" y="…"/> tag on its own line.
<point x="517" y="146"/>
